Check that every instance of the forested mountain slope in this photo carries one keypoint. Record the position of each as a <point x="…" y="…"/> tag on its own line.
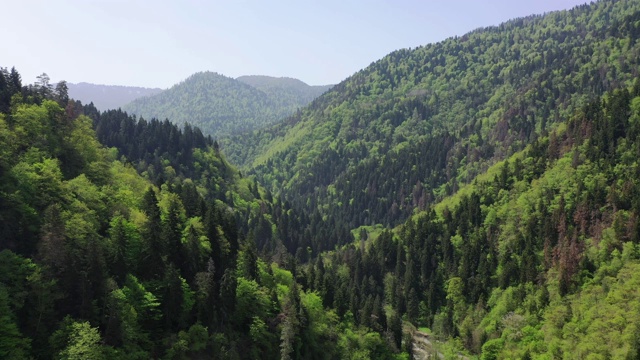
<point x="106" y="97"/>
<point x="146" y="249"/>
<point x="503" y="165"/>
<point x="413" y="126"/>
<point x="221" y="106"/>
<point x="159" y="151"/>
<point x="293" y="92"/>
<point x="538" y="258"/>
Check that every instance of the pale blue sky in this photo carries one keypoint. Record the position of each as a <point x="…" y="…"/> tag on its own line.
<point x="158" y="43"/>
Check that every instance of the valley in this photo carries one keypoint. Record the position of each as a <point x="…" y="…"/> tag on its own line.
<point x="473" y="198"/>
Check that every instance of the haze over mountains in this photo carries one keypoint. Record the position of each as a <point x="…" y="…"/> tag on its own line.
<point x="217" y="104"/>
<point x="221" y="105"/>
<point x="477" y="197"/>
<point x="299" y="92"/>
<point x="106" y="97"/>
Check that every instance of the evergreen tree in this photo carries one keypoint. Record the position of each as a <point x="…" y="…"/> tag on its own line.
<point x="154" y="244"/>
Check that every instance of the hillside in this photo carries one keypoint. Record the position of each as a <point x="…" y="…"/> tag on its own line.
<point x="476" y="198"/>
<point x="294" y="91"/>
<point x="221" y="106"/>
<point x="503" y="165"/>
<point x="106" y="97"/>
<point x="415" y="125"/>
<point x="146" y="249"/>
<point x="536" y="259"/>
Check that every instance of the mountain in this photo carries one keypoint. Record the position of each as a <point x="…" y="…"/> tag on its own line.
<point x="106" y="97"/>
<point x="295" y="92"/>
<point x="502" y="167"/>
<point x="138" y="240"/>
<point x="221" y="106"/>
<point x="417" y="124"/>
<point x="491" y="184"/>
<point x="537" y="258"/>
<point x="474" y="198"/>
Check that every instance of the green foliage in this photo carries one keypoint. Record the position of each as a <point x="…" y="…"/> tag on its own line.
<point x="288" y="91"/>
<point x="13" y="345"/>
<point x="491" y="349"/>
<point x="83" y="343"/>
<point x="362" y="345"/>
<point x="251" y="302"/>
<point x="604" y="318"/>
<point x="138" y="270"/>
<point x="526" y="260"/>
<point x="223" y="106"/>
<point x="418" y="124"/>
<point x="533" y="253"/>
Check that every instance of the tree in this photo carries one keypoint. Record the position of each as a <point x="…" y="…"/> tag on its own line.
<point x="5" y="94"/>
<point x="251" y="301"/>
<point x="395" y="330"/>
<point x="290" y="326"/>
<point x="207" y="296"/>
<point x="83" y="343"/>
<point x="12" y="343"/>
<point x="52" y="249"/>
<point x="196" y="248"/>
<point x="83" y="152"/>
<point x="15" y="81"/>
<point x="43" y="85"/>
<point x="172" y="298"/>
<point x="413" y="306"/>
<point x="248" y="259"/>
<point x="172" y="232"/>
<point x="119" y="248"/>
<point x="152" y="234"/>
<point x="228" y="287"/>
<point x="133" y="315"/>
<point x="61" y="94"/>
<point x="41" y="314"/>
<point x="190" y="199"/>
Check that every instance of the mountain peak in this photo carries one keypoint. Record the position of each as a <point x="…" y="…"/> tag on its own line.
<point x="221" y="105"/>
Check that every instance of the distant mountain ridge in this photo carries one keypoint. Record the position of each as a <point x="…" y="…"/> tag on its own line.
<point x="306" y="93"/>
<point x="106" y="97"/>
<point x="221" y="105"/>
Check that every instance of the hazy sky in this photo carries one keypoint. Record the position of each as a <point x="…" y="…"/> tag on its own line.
<point x="157" y="43"/>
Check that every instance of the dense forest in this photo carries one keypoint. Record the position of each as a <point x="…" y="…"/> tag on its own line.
<point x="537" y="258"/>
<point x="417" y="124"/>
<point x="474" y="198"/>
<point x="146" y="248"/>
<point x="290" y="91"/>
<point x="223" y="106"/>
<point x="510" y="150"/>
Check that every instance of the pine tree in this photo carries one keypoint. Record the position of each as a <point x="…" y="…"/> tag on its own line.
<point x="172" y="234"/>
<point x="395" y="330"/>
<point x="227" y="295"/>
<point x="172" y="299"/>
<point x="15" y="81"/>
<point x="190" y="199"/>
<point x="249" y="259"/>
<point x="152" y="233"/>
<point x="119" y="249"/>
<point x="413" y="306"/>
<point x="52" y="248"/>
